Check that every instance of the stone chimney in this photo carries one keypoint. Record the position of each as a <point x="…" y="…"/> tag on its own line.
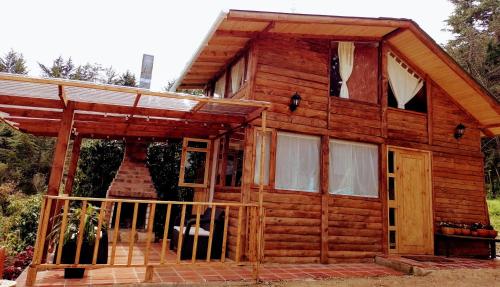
<point x="133" y="181"/>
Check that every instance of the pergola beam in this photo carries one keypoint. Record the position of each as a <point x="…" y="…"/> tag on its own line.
<point x="60" y="150"/>
<point x="62" y="95"/>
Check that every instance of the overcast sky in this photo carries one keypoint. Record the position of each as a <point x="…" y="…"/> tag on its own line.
<point x="117" y="33"/>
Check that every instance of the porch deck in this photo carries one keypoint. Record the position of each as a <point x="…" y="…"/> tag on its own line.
<point x="195" y="274"/>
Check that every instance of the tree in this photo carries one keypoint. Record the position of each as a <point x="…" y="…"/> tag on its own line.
<point x="476" y="46"/>
<point x="126" y="79"/>
<point x="13" y="63"/>
<point x="66" y="69"/>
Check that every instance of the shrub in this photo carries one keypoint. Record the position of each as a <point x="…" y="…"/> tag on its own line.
<point x="15" y="264"/>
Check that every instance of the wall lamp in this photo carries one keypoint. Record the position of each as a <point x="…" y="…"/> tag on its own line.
<point x="294" y="101"/>
<point x="459" y="131"/>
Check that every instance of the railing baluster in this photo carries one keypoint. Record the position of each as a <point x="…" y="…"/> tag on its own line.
<point x="83" y="217"/>
<point x="46" y="219"/>
<point x="116" y="232"/>
<point x="150" y="231"/>
<point x="211" y="235"/>
<point x="238" y="234"/>
<point x="224" y="238"/>
<point x="181" y="233"/>
<point x="196" y="231"/>
<point x="62" y="231"/>
<point x="165" y="233"/>
<point x="132" y="235"/>
<point x="38" y="248"/>
<point x="102" y="212"/>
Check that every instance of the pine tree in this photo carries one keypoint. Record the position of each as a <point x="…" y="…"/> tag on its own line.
<point x="13" y="63"/>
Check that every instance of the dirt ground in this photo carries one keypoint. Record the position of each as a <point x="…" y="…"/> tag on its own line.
<point x="441" y="278"/>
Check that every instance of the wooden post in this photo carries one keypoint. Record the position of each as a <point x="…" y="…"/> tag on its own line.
<point x="383" y="89"/>
<point x="383" y="196"/>
<point x="428" y="94"/>
<point x="165" y="234"/>
<point x="325" y="161"/>
<point x="75" y="154"/>
<point x="260" y="232"/>
<point x="56" y="171"/>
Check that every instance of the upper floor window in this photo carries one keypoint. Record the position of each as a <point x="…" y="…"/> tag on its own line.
<point x="406" y="88"/>
<point x="231" y="81"/>
<point x="220" y="87"/>
<point x="354" y="71"/>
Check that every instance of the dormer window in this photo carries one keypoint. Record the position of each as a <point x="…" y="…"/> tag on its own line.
<point x="406" y="88"/>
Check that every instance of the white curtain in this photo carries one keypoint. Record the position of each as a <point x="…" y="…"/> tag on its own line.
<point x="346" y="63"/>
<point x="353" y="169"/>
<point x="237" y="75"/>
<point x="267" y="158"/>
<point x="297" y="162"/>
<point x="403" y="83"/>
<point x="220" y="87"/>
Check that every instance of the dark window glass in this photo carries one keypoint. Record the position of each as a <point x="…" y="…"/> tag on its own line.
<point x="390" y="160"/>
<point x="391" y="188"/>
<point x="392" y="239"/>
<point x="418" y="103"/>
<point x="392" y="217"/>
<point x="335" y="80"/>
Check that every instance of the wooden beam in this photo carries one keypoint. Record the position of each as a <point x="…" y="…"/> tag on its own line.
<point x="430" y="109"/>
<point x="30" y="102"/>
<point x="325" y="158"/>
<point x="75" y="154"/>
<point x="62" y="95"/>
<point x="30" y="113"/>
<point x="60" y="150"/>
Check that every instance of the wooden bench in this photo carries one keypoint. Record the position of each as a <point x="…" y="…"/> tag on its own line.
<point x="447" y="238"/>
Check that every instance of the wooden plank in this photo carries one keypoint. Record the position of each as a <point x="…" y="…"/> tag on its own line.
<point x="224" y="237"/>
<point x="181" y="233"/>
<point x="238" y="234"/>
<point x="75" y="154"/>
<point x="81" y="226"/>
<point x="324" y="189"/>
<point x="196" y="232"/>
<point x="165" y="234"/>
<point x="62" y="231"/>
<point x="150" y="232"/>
<point x="116" y="231"/>
<point x="102" y="212"/>
<point x="56" y="171"/>
<point x="211" y="235"/>
<point x="132" y="235"/>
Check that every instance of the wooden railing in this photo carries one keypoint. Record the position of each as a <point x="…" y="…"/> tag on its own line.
<point x="53" y="231"/>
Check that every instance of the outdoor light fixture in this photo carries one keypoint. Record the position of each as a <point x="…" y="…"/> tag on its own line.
<point x="295" y="101"/>
<point x="459" y="131"/>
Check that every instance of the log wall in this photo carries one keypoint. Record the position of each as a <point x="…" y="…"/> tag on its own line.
<point x="355" y="226"/>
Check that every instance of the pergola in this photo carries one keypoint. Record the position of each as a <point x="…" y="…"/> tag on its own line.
<point x="65" y="108"/>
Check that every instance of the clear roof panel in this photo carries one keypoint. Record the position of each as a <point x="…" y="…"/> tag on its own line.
<point x="78" y="94"/>
<point x="32" y="90"/>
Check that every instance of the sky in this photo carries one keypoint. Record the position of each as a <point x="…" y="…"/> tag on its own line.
<point x="117" y="32"/>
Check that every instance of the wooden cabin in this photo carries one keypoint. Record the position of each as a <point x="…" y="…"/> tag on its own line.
<point x="373" y="135"/>
<point x="324" y="139"/>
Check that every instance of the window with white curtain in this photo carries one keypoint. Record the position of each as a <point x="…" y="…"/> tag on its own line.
<point x="297" y="162"/>
<point x="267" y="157"/>
<point x="220" y="87"/>
<point x="237" y="75"/>
<point x="353" y="168"/>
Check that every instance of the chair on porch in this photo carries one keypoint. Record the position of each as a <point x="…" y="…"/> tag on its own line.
<point x="203" y="235"/>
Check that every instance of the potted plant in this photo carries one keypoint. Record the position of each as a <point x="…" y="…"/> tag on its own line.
<point x="491" y="231"/>
<point x="466" y="230"/>
<point x="482" y="231"/>
<point x="447" y="228"/>
<point x="473" y="228"/>
<point x="71" y="235"/>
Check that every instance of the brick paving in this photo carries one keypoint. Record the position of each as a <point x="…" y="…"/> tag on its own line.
<point x="199" y="274"/>
<point x="452" y="263"/>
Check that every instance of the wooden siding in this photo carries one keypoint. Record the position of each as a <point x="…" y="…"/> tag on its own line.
<point x="355" y="228"/>
<point x="230" y="194"/>
<point x="363" y="79"/>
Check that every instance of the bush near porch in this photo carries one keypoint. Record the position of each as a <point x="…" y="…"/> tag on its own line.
<point x="494" y="210"/>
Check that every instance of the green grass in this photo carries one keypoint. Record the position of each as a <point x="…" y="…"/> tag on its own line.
<point x="494" y="209"/>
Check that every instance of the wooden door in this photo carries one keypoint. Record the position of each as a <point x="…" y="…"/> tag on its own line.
<point x="411" y="202"/>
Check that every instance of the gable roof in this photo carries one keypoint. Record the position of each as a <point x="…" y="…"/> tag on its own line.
<point x="233" y="30"/>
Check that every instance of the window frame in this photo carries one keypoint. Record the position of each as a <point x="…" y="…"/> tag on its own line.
<point x="272" y="157"/>
<point x="318" y="190"/>
<point x="377" y="195"/>
<point x="185" y="150"/>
